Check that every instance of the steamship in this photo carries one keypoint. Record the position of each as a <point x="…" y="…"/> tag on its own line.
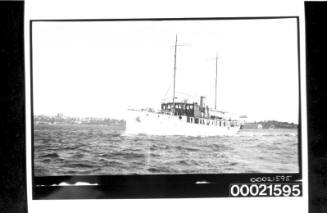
<point x="182" y="117"/>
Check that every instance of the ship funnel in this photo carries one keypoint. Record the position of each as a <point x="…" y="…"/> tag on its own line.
<point x="202" y="102"/>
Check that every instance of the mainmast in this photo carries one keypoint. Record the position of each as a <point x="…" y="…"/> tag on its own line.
<point x="216" y="81"/>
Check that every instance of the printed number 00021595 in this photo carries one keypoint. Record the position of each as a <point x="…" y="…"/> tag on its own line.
<point x="266" y="190"/>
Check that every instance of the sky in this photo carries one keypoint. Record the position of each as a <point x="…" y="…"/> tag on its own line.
<point x="102" y="68"/>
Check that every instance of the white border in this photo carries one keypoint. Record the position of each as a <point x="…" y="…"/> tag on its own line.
<point x="60" y="9"/>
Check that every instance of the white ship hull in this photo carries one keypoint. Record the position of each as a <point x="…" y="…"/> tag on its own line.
<point x="150" y="123"/>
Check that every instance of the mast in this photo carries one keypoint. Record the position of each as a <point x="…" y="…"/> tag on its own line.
<point x="216" y="81"/>
<point x="174" y="83"/>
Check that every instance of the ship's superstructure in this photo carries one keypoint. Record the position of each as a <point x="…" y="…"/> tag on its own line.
<point x="182" y="118"/>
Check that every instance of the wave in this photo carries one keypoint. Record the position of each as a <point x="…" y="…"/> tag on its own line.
<point x="114" y="134"/>
<point x="185" y="148"/>
<point x="159" y="170"/>
<point x="187" y="163"/>
<point x="80" y="165"/>
<point x="129" y="155"/>
<point x="52" y="155"/>
<point x="47" y="160"/>
<point x="78" y="155"/>
<point x="154" y="155"/>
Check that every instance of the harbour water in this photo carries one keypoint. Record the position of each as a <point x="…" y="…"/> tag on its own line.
<point x="83" y="149"/>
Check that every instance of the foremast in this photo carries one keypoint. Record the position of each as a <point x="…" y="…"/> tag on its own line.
<point x="174" y="81"/>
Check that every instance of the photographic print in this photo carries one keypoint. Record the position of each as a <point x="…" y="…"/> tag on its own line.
<point x="165" y="97"/>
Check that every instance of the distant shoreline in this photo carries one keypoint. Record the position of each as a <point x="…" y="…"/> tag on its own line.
<point x="62" y="119"/>
<point x="272" y="124"/>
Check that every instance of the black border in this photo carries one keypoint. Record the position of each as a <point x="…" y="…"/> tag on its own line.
<point x="150" y="186"/>
<point x="316" y="48"/>
<point x="13" y="194"/>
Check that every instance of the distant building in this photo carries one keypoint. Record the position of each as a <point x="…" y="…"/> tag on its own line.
<point x="60" y="116"/>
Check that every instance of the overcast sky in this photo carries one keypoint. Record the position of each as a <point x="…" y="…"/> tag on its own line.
<point x="102" y="68"/>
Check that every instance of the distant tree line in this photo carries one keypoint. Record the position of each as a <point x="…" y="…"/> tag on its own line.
<point x="272" y="124"/>
<point x="61" y="119"/>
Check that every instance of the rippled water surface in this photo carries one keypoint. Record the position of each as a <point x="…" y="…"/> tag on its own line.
<point x="80" y="149"/>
